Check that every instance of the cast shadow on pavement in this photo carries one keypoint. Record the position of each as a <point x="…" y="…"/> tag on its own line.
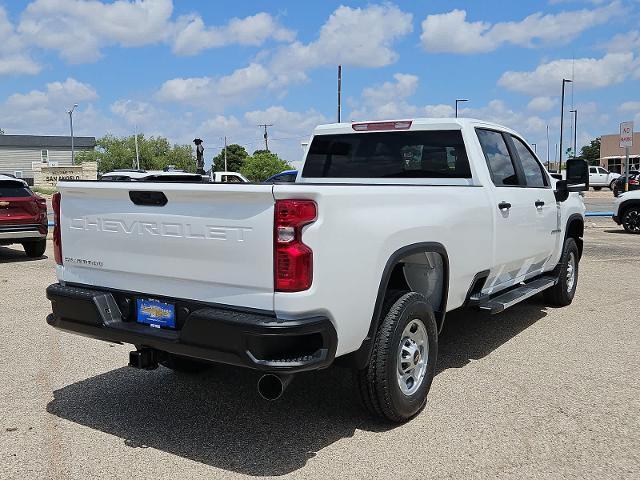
<point x="217" y="418"/>
<point x="11" y="255"/>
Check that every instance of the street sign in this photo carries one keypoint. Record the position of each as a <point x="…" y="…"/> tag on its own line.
<point x="626" y="135"/>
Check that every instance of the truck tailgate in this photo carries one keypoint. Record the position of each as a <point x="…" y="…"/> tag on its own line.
<point x="212" y="243"/>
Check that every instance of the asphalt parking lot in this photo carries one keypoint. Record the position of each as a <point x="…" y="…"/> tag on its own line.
<point x="534" y="392"/>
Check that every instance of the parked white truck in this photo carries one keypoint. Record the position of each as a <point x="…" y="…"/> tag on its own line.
<point x="389" y="226"/>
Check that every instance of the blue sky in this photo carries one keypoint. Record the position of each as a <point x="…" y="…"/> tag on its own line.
<point x="206" y="69"/>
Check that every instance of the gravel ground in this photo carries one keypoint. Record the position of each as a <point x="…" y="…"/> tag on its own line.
<point x="534" y="392"/>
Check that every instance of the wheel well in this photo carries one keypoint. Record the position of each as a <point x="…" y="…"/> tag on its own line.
<point x="423" y="268"/>
<point x="575" y="230"/>
<point x="421" y="272"/>
<point x="626" y="206"/>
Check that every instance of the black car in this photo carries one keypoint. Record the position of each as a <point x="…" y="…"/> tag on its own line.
<point x="634" y="182"/>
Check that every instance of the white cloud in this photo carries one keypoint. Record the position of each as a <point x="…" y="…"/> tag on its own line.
<point x="215" y="93"/>
<point x="440" y="110"/>
<point x="44" y="111"/>
<point x="57" y="95"/>
<point x="14" y="59"/>
<point x="631" y="107"/>
<point x="497" y="111"/>
<point x="451" y="32"/>
<point x="590" y="73"/>
<point x="79" y="29"/>
<point x="387" y="100"/>
<point x="360" y="37"/>
<point x="134" y="112"/>
<point x="193" y="36"/>
<point x="390" y="100"/>
<point x="624" y="42"/>
<point x="541" y="104"/>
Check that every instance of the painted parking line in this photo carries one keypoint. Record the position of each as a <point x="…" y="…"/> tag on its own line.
<point x="598" y="214"/>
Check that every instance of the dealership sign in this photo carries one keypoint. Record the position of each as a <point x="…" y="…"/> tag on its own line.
<point x="626" y="135"/>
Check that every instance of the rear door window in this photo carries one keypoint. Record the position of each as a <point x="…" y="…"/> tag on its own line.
<point x="499" y="161"/>
<point x="415" y="154"/>
<point x="533" y="173"/>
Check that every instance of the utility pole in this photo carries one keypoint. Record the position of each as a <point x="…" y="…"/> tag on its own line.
<point x="266" y="134"/>
<point x="70" y="112"/>
<point x="575" y="129"/>
<point x="548" y="163"/>
<point x="339" y="89"/>
<point x="564" y="81"/>
<point x="535" y="147"/>
<point x="225" y="153"/>
<point x="137" y="165"/>
<point x="458" y="100"/>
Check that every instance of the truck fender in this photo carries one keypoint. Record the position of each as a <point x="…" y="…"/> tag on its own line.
<point x="360" y="358"/>
<point x="575" y="230"/>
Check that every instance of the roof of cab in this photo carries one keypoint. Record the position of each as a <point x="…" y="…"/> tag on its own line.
<point x="416" y="124"/>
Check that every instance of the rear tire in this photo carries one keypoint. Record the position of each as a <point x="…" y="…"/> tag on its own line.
<point x="631" y="220"/>
<point x="612" y="185"/>
<point x="562" y="293"/>
<point x="184" y="364"/>
<point x="35" y="249"/>
<point x="395" y="383"/>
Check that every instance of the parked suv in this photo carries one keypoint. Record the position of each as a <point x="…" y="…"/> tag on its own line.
<point x="23" y="216"/>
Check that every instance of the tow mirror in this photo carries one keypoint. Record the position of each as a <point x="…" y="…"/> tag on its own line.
<point x="577" y="175"/>
<point x="577" y="179"/>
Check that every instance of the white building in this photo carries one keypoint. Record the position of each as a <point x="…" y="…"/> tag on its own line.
<point x="18" y="152"/>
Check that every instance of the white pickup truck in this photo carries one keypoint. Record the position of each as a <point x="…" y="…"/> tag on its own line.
<point x="600" y="177"/>
<point x="389" y="226"/>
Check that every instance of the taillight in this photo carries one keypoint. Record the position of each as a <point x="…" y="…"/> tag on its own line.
<point x="293" y="260"/>
<point x="633" y="182"/>
<point x="57" y="238"/>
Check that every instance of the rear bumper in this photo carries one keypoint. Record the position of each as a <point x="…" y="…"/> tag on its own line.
<point x="21" y="233"/>
<point x="222" y="335"/>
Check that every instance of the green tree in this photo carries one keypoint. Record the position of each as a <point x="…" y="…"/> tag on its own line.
<point x="236" y="157"/>
<point x="155" y="153"/>
<point x="591" y="152"/>
<point x="262" y="165"/>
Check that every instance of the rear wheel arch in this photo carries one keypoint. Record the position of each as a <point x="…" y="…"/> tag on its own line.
<point x="575" y="230"/>
<point x="393" y="279"/>
<point x="627" y="204"/>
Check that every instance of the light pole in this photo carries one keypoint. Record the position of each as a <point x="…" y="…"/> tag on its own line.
<point x="70" y="112"/>
<point x="564" y="80"/>
<point x="548" y="161"/>
<point x="535" y="148"/>
<point x="458" y="100"/>
<point x="575" y="130"/>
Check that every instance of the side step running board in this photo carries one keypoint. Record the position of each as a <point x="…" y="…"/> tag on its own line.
<point x="505" y="300"/>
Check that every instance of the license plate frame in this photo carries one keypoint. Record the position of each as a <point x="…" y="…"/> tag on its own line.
<point x="156" y="313"/>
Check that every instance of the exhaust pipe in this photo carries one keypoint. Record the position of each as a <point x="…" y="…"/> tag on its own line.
<point x="272" y="386"/>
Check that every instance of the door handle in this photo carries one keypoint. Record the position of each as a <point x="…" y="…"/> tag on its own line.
<point x="504" y="205"/>
<point x="539" y="204"/>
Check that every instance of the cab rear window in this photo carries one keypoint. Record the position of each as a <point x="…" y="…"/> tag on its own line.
<point x="415" y="154"/>
<point x="14" y="190"/>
